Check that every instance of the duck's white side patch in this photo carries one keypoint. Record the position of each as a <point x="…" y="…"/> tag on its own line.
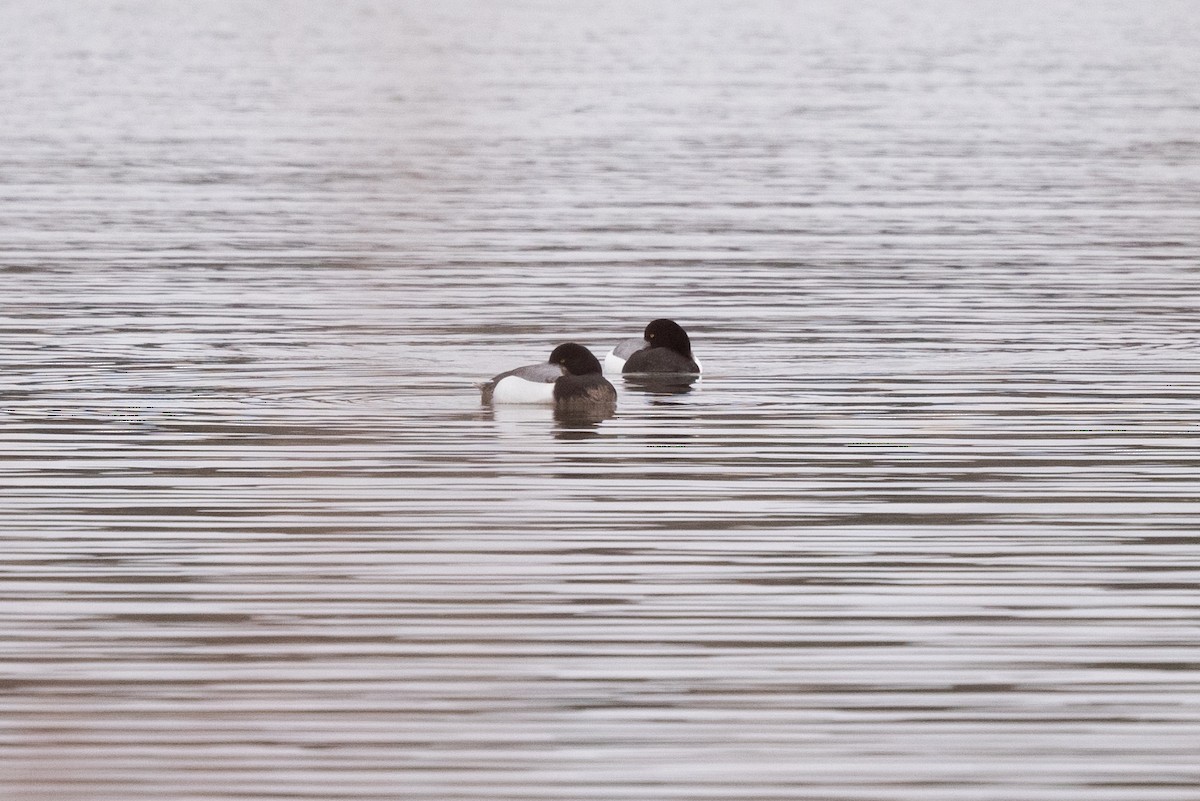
<point x="514" y="389"/>
<point x="614" y="362"/>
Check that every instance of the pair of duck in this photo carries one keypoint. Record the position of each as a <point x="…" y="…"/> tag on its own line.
<point x="573" y="378"/>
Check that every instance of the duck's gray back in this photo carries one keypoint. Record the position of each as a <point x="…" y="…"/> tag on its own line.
<point x="628" y="347"/>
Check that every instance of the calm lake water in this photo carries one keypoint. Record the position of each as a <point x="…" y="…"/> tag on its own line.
<point x="928" y="529"/>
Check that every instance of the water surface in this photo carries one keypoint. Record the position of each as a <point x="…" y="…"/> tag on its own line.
<point x="926" y="529"/>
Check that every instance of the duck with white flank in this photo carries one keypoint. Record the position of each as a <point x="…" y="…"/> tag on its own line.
<point x="664" y="348"/>
<point x="570" y="379"/>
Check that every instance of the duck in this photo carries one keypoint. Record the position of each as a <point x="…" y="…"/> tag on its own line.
<point x="571" y="378"/>
<point x="663" y="348"/>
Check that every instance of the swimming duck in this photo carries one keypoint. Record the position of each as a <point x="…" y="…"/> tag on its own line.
<point x="664" y="348"/>
<point x="571" y="378"/>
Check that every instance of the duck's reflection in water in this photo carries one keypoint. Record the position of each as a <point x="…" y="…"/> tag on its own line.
<point x="661" y="383"/>
<point x="568" y="423"/>
<point x="582" y="423"/>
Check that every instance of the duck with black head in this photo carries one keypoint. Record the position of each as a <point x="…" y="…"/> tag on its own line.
<point x="664" y="348"/>
<point x="570" y="379"/>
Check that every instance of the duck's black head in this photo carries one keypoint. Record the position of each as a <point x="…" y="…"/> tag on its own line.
<point x="575" y="359"/>
<point x="668" y="334"/>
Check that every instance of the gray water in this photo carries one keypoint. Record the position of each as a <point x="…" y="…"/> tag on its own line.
<point x="928" y="528"/>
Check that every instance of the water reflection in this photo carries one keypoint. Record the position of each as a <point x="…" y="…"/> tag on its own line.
<point x="523" y="419"/>
<point x="661" y="383"/>
<point x="581" y="423"/>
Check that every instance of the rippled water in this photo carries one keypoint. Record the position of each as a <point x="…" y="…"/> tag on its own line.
<point x="926" y="529"/>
